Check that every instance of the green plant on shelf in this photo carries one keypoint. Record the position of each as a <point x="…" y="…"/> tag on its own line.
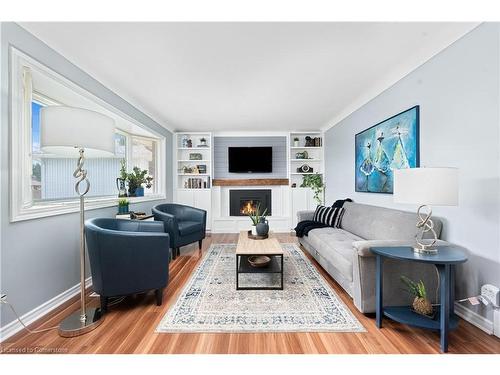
<point x="315" y="182"/>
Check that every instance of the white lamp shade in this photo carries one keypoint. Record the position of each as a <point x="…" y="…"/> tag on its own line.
<point x="431" y="186"/>
<point x="62" y="129"/>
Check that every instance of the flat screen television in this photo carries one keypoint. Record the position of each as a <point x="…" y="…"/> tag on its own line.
<point x="250" y="159"/>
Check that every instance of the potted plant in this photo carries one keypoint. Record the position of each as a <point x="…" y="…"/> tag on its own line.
<point x="315" y="182"/>
<point x="123" y="206"/>
<point x="256" y="217"/>
<point x="135" y="181"/>
<point x="421" y="303"/>
<point x="296" y="142"/>
<point x="203" y="142"/>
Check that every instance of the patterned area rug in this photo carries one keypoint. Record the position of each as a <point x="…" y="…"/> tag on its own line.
<point x="210" y="302"/>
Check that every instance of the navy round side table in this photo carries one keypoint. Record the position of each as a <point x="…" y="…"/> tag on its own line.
<point x="445" y="261"/>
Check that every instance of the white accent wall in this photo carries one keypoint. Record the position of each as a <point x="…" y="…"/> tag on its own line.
<point x="458" y="94"/>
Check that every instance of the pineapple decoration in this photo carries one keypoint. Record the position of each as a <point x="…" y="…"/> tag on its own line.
<point x="421" y="303"/>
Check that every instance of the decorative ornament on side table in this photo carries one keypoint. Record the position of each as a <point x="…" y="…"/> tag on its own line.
<point x="421" y="304"/>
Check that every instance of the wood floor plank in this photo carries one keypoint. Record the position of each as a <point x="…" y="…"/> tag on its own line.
<point x="129" y="327"/>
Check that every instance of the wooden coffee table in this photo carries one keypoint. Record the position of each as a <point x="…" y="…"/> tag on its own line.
<point x="248" y="247"/>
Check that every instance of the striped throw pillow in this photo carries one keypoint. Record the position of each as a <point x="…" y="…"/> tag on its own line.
<point x="331" y="216"/>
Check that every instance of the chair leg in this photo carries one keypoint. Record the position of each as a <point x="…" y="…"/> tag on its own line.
<point x="104" y="304"/>
<point x="159" y="296"/>
<point x="199" y="244"/>
<point x="178" y="251"/>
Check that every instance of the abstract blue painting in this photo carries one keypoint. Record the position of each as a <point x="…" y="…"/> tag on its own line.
<point x="388" y="145"/>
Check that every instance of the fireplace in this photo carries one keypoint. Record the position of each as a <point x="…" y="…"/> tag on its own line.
<point x="243" y="202"/>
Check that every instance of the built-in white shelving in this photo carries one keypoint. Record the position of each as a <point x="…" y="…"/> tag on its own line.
<point x="299" y="155"/>
<point x="312" y="156"/>
<point x="194" y="163"/>
<point x="192" y="187"/>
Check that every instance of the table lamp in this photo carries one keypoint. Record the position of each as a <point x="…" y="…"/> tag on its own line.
<point x="71" y="132"/>
<point x="426" y="187"/>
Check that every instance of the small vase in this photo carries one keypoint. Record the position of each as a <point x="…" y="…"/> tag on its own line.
<point x="295" y="143"/>
<point x="262" y="227"/>
<point x="254" y="230"/>
<point x="139" y="192"/>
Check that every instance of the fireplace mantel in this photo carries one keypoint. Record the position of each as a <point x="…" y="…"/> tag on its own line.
<point x="250" y="182"/>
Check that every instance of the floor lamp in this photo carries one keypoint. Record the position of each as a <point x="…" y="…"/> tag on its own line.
<point x="70" y="132"/>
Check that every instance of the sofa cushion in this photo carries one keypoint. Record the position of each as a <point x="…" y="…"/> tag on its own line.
<point x="335" y="246"/>
<point x="331" y="216"/>
<point x="188" y="227"/>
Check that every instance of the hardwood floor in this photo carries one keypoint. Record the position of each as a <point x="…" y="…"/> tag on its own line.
<point x="129" y="327"/>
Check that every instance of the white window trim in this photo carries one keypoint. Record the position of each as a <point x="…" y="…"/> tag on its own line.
<point x="21" y="203"/>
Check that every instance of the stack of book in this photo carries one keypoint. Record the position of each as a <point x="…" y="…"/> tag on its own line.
<point x="197" y="183"/>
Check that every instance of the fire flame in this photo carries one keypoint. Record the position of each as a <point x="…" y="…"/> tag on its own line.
<point x="248" y="208"/>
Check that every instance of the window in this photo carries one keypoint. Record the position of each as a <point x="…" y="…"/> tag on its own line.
<point x="43" y="184"/>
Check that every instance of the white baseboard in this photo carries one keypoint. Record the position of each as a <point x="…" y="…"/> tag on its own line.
<point x="39" y="312"/>
<point x="474" y="318"/>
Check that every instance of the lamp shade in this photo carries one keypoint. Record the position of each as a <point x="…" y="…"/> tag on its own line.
<point x="62" y="129"/>
<point x="431" y="186"/>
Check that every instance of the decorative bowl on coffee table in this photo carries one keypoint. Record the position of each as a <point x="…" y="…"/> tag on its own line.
<point x="259" y="260"/>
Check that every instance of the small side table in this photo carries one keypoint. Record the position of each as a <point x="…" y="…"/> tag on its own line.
<point x="445" y="261"/>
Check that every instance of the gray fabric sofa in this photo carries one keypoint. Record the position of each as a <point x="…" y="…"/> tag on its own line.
<point x="345" y="253"/>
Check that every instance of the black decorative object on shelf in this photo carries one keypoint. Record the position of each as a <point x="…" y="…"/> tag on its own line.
<point x="304" y="169"/>
<point x="309" y="142"/>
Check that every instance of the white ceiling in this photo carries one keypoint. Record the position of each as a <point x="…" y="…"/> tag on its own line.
<point x="248" y="76"/>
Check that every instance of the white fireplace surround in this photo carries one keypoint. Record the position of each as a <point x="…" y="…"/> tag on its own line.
<point x="222" y="222"/>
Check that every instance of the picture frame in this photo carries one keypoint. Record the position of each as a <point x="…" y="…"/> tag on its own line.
<point x="390" y="144"/>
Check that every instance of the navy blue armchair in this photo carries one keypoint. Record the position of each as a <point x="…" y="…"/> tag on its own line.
<point x="127" y="257"/>
<point x="184" y="224"/>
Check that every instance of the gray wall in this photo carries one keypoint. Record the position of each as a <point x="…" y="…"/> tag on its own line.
<point x="458" y="94"/>
<point x="221" y="144"/>
<point x="39" y="258"/>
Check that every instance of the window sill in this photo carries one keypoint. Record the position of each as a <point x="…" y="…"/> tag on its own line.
<point x="61" y="208"/>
